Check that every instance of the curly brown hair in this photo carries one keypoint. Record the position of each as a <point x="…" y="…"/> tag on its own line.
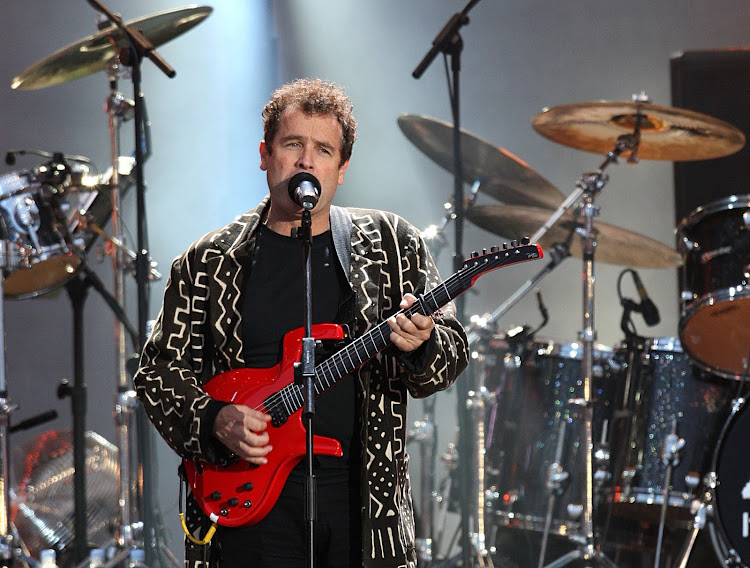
<point x="312" y="96"/>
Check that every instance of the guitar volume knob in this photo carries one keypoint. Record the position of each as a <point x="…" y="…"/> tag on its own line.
<point x="233" y="502"/>
<point x="247" y="486"/>
<point x="215" y="496"/>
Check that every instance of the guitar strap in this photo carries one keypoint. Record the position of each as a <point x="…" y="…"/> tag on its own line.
<point x="341" y="229"/>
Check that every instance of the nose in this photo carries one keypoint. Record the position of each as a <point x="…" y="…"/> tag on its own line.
<point x="304" y="160"/>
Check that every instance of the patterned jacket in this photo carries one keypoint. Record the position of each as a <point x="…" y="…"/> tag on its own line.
<point x="198" y="335"/>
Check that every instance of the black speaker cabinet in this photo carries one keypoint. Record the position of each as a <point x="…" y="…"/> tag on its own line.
<point x="717" y="83"/>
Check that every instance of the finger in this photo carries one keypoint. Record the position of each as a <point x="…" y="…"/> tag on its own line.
<point x="407" y="300"/>
<point x="422" y="322"/>
<point x="255" y="420"/>
<point x="417" y="325"/>
<point x="253" y="454"/>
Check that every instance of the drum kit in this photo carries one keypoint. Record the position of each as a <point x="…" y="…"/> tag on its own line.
<point x="609" y="456"/>
<point x="50" y="218"/>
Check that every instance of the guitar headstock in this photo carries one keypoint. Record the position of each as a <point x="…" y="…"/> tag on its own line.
<point x="509" y="253"/>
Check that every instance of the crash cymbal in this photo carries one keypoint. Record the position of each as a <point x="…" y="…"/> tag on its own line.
<point x="502" y="175"/>
<point x="614" y="245"/>
<point x="91" y="54"/>
<point x="673" y="134"/>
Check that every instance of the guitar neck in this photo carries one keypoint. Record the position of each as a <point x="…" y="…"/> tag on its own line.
<point x="343" y="362"/>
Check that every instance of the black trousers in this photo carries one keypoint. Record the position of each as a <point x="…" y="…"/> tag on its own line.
<point x="279" y="540"/>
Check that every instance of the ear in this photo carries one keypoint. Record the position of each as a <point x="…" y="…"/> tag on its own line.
<point x="342" y="171"/>
<point x="263" y="155"/>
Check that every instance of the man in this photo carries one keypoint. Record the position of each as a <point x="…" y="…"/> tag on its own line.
<point x="235" y="293"/>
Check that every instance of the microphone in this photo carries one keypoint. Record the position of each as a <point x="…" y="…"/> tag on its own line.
<point x="647" y="308"/>
<point x="304" y="190"/>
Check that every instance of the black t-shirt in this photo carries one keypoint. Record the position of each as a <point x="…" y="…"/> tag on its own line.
<point x="274" y="305"/>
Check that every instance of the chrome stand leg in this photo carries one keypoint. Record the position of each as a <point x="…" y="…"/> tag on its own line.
<point x="672" y="446"/>
<point x="556" y="476"/>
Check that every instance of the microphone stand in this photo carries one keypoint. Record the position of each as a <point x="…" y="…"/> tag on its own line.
<point x="78" y="290"/>
<point x="304" y="373"/>
<point x="449" y="42"/>
<point x="140" y="46"/>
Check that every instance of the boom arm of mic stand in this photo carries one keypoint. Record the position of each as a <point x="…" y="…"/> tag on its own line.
<point x="444" y="39"/>
<point x="120" y="314"/>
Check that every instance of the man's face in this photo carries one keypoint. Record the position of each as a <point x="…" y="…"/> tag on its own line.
<point x="303" y="143"/>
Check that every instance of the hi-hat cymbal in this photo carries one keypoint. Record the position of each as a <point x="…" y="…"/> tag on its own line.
<point x="666" y="133"/>
<point x="91" y="54"/>
<point x="613" y="244"/>
<point x="501" y="174"/>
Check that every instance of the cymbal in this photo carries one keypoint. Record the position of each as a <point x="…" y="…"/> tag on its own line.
<point x="91" y="54"/>
<point x="501" y="174"/>
<point x="614" y="245"/>
<point x="667" y="133"/>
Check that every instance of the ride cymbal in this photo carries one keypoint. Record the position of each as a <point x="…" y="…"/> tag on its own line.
<point x="501" y="174"/>
<point x="613" y="244"/>
<point x="666" y="133"/>
<point x="91" y="54"/>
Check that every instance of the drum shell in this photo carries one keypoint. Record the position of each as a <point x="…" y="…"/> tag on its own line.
<point x="39" y="252"/>
<point x="534" y="384"/>
<point x="715" y="241"/>
<point x="661" y="389"/>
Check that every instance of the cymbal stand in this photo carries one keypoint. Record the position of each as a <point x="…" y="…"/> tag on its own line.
<point x="118" y="110"/>
<point x="587" y="187"/>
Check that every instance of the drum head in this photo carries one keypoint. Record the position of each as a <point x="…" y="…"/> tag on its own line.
<point x="732" y="494"/>
<point x="41" y="277"/>
<point x="716" y="334"/>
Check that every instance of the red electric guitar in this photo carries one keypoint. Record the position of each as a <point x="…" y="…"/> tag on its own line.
<point x="243" y="493"/>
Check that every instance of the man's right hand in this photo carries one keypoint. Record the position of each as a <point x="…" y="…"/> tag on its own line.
<point x="243" y="431"/>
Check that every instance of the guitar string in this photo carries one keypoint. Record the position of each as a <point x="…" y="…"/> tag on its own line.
<point x="292" y="391"/>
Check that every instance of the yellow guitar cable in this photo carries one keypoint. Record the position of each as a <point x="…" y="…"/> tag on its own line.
<point x="213" y="516"/>
<point x="209" y="535"/>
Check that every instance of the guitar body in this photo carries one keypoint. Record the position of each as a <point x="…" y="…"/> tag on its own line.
<point x="223" y="490"/>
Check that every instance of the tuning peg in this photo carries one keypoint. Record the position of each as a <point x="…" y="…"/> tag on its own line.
<point x="474" y="254"/>
<point x="494" y="249"/>
<point x="525" y="240"/>
<point x="514" y="244"/>
<point x="505" y="246"/>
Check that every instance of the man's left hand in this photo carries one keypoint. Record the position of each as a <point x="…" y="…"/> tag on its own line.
<point x="408" y="334"/>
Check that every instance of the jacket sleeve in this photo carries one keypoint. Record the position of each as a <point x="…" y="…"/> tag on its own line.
<point x="174" y="364"/>
<point x="436" y="364"/>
